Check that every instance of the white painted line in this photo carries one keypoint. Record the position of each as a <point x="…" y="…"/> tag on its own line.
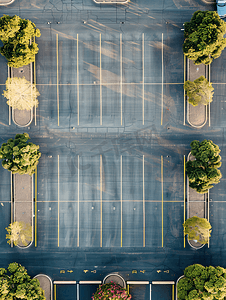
<point x="64" y="282"/>
<point x="143" y="207"/>
<point x="162" y="83"/>
<point x="100" y="84"/>
<point x="90" y="282"/>
<point x="77" y="83"/>
<point x="58" y="189"/>
<point x="143" y="77"/>
<point x="78" y="207"/>
<point x="137" y="282"/>
<point x="101" y="215"/>
<point x="163" y="282"/>
<point x="150" y="291"/>
<point x="77" y="291"/>
<point x="121" y="195"/>
<point x="121" y="73"/>
<point x="58" y="103"/>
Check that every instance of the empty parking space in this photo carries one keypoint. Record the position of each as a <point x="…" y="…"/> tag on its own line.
<point x="140" y="291"/>
<point x="65" y="291"/>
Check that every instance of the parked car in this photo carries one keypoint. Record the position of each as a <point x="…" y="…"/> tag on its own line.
<point x="221" y="8"/>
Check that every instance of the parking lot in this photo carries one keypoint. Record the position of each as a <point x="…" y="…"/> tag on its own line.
<point x="110" y="124"/>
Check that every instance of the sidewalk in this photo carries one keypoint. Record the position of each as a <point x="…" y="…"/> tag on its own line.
<point x="196" y="205"/>
<point x="23" y="199"/>
<point x="196" y="115"/>
<point x="22" y="118"/>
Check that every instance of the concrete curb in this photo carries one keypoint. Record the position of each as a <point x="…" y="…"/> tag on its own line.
<point x="7" y="3"/>
<point x="46" y="284"/>
<point x="200" y="108"/>
<point x="198" y="210"/>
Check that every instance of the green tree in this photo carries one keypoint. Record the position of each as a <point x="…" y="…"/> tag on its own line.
<point x="21" y="94"/>
<point x="19" y="156"/>
<point x="198" y="229"/>
<point x="204" y="37"/>
<point x="203" y="171"/>
<point x="18" y="36"/>
<point x="16" y="284"/>
<point x="199" y="91"/>
<point x="202" y="283"/>
<point x="19" y="233"/>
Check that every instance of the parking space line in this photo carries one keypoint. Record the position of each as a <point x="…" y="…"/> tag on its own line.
<point x="78" y="291"/>
<point x="143" y="77"/>
<point x="209" y="102"/>
<point x="9" y="105"/>
<point x="162" y="83"/>
<point x="36" y="188"/>
<point x="35" y="84"/>
<point x="143" y="207"/>
<point x="58" y="190"/>
<point x="162" y="193"/>
<point x="54" y="291"/>
<point x="101" y="213"/>
<point x="150" y="291"/>
<point x="77" y="83"/>
<point x="184" y="89"/>
<point x="121" y="194"/>
<point x="208" y="213"/>
<point x="100" y="84"/>
<point x="11" y="190"/>
<point x="184" y="197"/>
<point x="121" y="73"/>
<point x="58" y="112"/>
<point x="172" y="291"/>
<point x="78" y="207"/>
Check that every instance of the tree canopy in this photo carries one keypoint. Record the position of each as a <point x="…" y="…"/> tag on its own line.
<point x="18" y="156"/>
<point x="16" y="284"/>
<point x="17" y="35"/>
<point x="204" y="37"/>
<point x="203" y="171"/>
<point x="21" y="94"/>
<point x="202" y="283"/>
<point x="199" y="91"/>
<point x="19" y="233"/>
<point x="198" y="229"/>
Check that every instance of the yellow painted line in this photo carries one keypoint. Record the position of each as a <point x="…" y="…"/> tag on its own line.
<point x="58" y="104"/>
<point x="100" y="84"/>
<point x="208" y="214"/>
<point x="143" y="77"/>
<point x="9" y="106"/>
<point x="173" y="292"/>
<point x="77" y="83"/>
<point x="101" y="212"/>
<point x="128" y="288"/>
<point x="143" y="207"/>
<point x="35" y="85"/>
<point x="78" y="207"/>
<point x="162" y="193"/>
<point x="36" y="193"/>
<point x="121" y="195"/>
<point x="54" y="291"/>
<point x="162" y="83"/>
<point x="184" y="197"/>
<point x="121" y="73"/>
<point x="209" y="102"/>
<point x="58" y="188"/>
<point x="11" y="189"/>
<point x="184" y="89"/>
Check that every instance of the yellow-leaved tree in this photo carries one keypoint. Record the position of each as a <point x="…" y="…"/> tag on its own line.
<point x="21" y="94"/>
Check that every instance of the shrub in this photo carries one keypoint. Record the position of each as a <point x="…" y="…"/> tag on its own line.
<point x="19" y="233"/>
<point x="111" y="291"/>
<point x="197" y="229"/>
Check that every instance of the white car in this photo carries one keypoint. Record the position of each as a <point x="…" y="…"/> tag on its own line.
<point x="221" y="8"/>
